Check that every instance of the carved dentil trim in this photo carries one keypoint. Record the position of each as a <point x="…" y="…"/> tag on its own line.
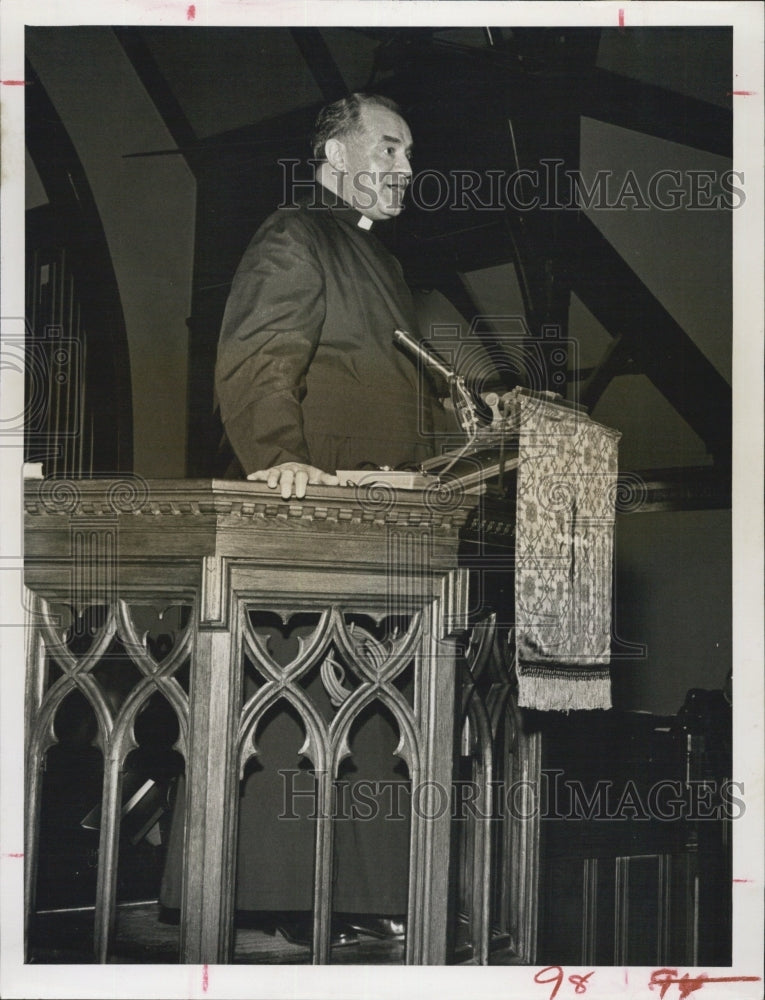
<point x="134" y="497"/>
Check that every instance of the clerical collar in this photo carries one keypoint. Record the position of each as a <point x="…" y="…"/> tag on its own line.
<point x="332" y="200"/>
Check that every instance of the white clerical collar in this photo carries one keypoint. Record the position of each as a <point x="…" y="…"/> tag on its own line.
<point x="364" y="222"/>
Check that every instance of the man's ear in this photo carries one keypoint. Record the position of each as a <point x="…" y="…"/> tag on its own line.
<point x="334" y="150"/>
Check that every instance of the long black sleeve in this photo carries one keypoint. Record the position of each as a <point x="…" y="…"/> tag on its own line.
<point x="271" y="328"/>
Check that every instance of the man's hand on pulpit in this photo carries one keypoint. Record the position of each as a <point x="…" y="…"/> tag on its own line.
<point x="293" y="477"/>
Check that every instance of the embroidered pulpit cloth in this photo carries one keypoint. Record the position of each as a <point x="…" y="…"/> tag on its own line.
<point x="566" y="496"/>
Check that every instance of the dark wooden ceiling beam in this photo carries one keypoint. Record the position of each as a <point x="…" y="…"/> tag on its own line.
<point x="651" y="338"/>
<point x="534" y="58"/>
<point x="320" y="62"/>
<point x="157" y="87"/>
<point x="664" y="114"/>
<point x="615" y="361"/>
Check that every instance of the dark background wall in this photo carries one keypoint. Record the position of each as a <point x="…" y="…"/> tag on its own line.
<point x="147" y="210"/>
<point x="672" y="596"/>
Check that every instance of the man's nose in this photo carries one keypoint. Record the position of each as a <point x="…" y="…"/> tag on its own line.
<point x="403" y="165"/>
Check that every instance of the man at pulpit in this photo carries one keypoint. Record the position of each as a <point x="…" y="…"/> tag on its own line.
<point x="309" y="381"/>
<point x="307" y="378"/>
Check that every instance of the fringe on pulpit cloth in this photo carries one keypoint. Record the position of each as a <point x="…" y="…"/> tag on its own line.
<point x="566" y="496"/>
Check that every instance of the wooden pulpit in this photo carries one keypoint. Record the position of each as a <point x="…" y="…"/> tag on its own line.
<point x="444" y="609"/>
<point x="224" y="550"/>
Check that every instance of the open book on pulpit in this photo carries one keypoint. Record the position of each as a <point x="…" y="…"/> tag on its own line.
<point x="490" y="451"/>
<point x="470" y="471"/>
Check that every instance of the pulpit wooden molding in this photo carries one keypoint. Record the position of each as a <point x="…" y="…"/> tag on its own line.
<point x="223" y="548"/>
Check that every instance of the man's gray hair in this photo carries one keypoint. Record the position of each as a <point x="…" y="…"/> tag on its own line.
<point x="343" y="118"/>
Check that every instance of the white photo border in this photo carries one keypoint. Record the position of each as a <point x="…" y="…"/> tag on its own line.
<point x="18" y="980"/>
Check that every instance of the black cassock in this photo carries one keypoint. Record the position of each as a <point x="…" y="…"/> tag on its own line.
<point x="307" y="372"/>
<point x="306" y="369"/>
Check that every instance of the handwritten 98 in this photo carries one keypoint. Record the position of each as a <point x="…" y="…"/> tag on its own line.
<point x="554" y="974"/>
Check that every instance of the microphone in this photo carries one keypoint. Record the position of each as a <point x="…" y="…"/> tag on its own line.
<point x="471" y="410"/>
<point x="425" y="354"/>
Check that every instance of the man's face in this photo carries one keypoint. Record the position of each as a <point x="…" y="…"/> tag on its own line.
<point x="377" y="161"/>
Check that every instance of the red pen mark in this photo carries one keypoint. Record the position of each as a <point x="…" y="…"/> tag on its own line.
<point x="14" y="83"/>
<point x="578" y="982"/>
<point x="743" y="880"/>
<point x="13" y="855"/>
<point x="741" y="93"/>
<point x="557" y="978"/>
<point x="665" y="978"/>
<point x="191" y="13"/>
<point x="205" y="978"/>
<point x="621" y="17"/>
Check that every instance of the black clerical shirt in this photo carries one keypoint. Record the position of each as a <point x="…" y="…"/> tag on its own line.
<point x="307" y="371"/>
